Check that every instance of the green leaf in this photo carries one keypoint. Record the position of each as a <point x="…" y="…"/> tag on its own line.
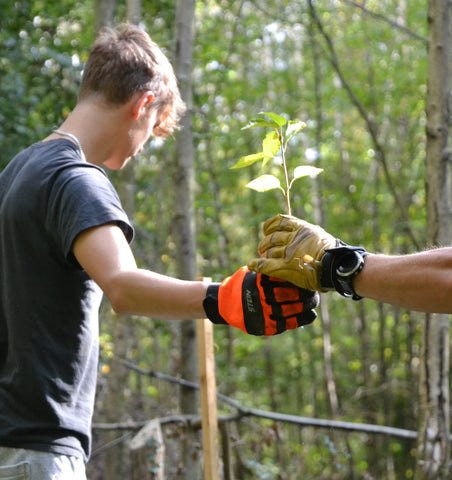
<point x="294" y="128"/>
<point x="249" y="160"/>
<point x="305" y="170"/>
<point x="271" y="144"/>
<point x="278" y="119"/>
<point x="260" y="122"/>
<point x="264" y="183"/>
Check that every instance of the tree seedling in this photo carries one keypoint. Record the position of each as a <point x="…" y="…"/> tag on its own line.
<point x="275" y="143"/>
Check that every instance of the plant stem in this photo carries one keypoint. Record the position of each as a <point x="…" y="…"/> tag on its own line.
<point x="286" y="175"/>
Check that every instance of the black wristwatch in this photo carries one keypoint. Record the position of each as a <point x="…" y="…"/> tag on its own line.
<point x="350" y="265"/>
<point x="340" y="266"/>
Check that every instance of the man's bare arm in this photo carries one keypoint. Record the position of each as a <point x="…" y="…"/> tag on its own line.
<point x="105" y="255"/>
<point x="421" y="281"/>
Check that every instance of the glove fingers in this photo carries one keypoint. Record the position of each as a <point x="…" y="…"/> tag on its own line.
<point x="301" y="275"/>
<point x="289" y="306"/>
<point x="299" y="319"/>
<point x="271" y="293"/>
<point x="290" y="310"/>
<point x="307" y="317"/>
<point x="275" y="252"/>
<point x="290" y="317"/>
<point x="292" y="298"/>
<point x="293" y="323"/>
<point x="283" y="222"/>
<point x="277" y="239"/>
<point x="302" y="312"/>
<point x="309" y="298"/>
<point x="286" y="293"/>
<point x="294" y="234"/>
<point x="254" y="265"/>
<point x="271" y="225"/>
<point x="267" y="266"/>
<point x="290" y="244"/>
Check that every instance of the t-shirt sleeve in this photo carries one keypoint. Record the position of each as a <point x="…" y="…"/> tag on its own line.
<point x="81" y="198"/>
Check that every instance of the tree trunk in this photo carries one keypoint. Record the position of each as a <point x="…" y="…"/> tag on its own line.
<point x="104" y="14"/>
<point x="184" y="221"/>
<point x="434" y="429"/>
<point x="134" y="11"/>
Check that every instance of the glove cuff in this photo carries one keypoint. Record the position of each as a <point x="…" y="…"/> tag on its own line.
<point x="210" y="304"/>
<point x="340" y="266"/>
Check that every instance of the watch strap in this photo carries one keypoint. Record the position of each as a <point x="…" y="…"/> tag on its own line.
<point x="340" y="265"/>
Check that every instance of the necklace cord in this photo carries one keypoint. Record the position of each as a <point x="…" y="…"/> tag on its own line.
<point x="76" y="140"/>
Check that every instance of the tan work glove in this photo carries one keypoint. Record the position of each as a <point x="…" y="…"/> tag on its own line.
<point x="292" y="250"/>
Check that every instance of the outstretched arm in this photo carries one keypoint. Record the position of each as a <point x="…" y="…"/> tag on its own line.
<point x="310" y="257"/>
<point x="252" y="302"/>
<point x="105" y="255"/>
<point x="421" y="281"/>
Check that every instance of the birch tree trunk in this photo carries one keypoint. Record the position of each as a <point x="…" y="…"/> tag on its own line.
<point x="104" y="13"/>
<point x="184" y="220"/>
<point x="434" y="428"/>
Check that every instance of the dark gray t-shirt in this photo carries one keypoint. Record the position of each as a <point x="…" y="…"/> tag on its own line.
<point x="48" y="304"/>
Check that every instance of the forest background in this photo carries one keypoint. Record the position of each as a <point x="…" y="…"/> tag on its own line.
<point x="356" y="73"/>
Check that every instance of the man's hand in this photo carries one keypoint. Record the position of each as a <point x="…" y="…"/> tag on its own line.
<point x="258" y="304"/>
<point x="292" y="250"/>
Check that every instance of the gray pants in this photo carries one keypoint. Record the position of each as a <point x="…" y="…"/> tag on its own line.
<point x="20" y="464"/>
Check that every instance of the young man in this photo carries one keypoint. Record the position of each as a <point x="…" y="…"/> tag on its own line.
<point x="64" y="239"/>
<point x="310" y="257"/>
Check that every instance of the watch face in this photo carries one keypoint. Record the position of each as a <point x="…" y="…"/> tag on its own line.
<point x="351" y="263"/>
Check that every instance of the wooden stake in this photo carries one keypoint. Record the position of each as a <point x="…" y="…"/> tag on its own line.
<point x="206" y="359"/>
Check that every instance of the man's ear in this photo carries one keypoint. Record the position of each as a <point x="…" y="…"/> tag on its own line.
<point x="142" y="100"/>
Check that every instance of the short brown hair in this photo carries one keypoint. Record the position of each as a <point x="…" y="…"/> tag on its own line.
<point x="124" y="61"/>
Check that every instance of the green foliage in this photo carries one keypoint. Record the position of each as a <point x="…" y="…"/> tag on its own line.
<point x="264" y="57"/>
<point x="274" y="143"/>
<point x="42" y="48"/>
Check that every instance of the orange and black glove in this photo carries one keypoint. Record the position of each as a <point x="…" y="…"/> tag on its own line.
<point x="259" y="304"/>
